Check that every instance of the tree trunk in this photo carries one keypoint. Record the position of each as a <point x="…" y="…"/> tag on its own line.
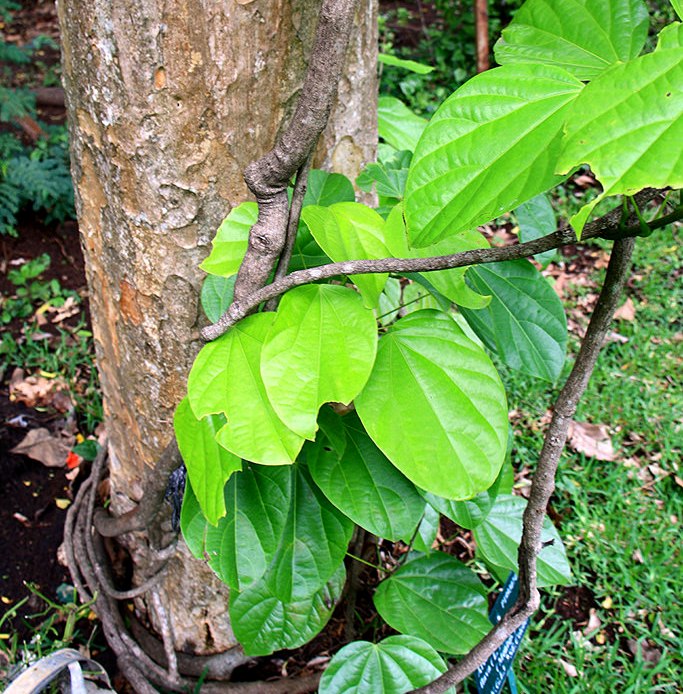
<point x="167" y="102"/>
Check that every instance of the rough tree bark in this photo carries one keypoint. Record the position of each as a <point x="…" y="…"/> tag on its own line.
<point x="168" y="101"/>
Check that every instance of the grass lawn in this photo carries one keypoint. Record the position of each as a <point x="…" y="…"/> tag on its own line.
<point x="620" y="630"/>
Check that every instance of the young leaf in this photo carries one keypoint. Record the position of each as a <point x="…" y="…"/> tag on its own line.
<point x="397" y="124"/>
<point x="493" y="144"/>
<point x="208" y="465"/>
<point x="320" y="349"/>
<point x="628" y="126"/>
<point x="584" y="37"/>
<point x="230" y="243"/>
<point x="225" y="377"/>
<point x="525" y="322"/>
<point x="243" y="544"/>
<point x="411" y="65"/>
<point x="263" y="623"/>
<point x="536" y="218"/>
<point x="498" y="538"/>
<point x="396" y="665"/>
<point x="438" y="599"/>
<point x="325" y="188"/>
<point x="362" y="483"/>
<point x="350" y="231"/>
<point x="435" y="406"/>
<point x="216" y="295"/>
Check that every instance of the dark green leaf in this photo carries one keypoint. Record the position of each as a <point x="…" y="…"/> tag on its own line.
<point x="216" y="295"/>
<point x="325" y="188"/>
<point x="536" y="218"/>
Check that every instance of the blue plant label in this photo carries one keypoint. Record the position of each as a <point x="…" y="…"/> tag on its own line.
<point x="492" y="675"/>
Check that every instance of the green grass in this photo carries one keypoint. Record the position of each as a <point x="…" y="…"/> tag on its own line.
<point x="621" y="520"/>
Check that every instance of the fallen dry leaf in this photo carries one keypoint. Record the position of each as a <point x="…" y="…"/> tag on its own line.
<point x="592" y="440"/>
<point x="569" y="669"/>
<point x="649" y="653"/>
<point x="626" y="312"/>
<point x="39" y="391"/>
<point x="46" y="448"/>
<point x="593" y="621"/>
<point x="637" y="557"/>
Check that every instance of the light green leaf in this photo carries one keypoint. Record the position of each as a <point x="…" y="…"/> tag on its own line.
<point x="678" y="6"/>
<point x="359" y="480"/>
<point x="449" y="283"/>
<point x="389" y="178"/>
<point x="216" y="295"/>
<point x="193" y="525"/>
<point x="426" y="531"/>
<point x="389" y="302"/>
<point x="670" y="37"/>
<point x="436" y="407"/>
<point x="208" y="465"/>
<point x="230" y="242"/>
<point x="411" y="65"/>
<point x="438" y="599"/>
<point x="492" y="145"/>
<point x="628" y="126"/>
<point x="225" y="377"/>
<point x="498" y="538"/>
<point x="536" y="218"/>
<point x="325" y="188"/>
<point x="525" y="322"/>
<point x="397" y="124"/>
<point x="583" y="36"/>
<point x="351" y="231"/>
<point x="244" y="543"/>
<point x="320" y="349"/>
<point x="396" y="665"/>
<point x="262" y="623"/>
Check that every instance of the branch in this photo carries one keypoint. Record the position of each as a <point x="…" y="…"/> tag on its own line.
<point x="269" y="176"/>
<point x="607" y="226"/>
<point x="543" y="483"/>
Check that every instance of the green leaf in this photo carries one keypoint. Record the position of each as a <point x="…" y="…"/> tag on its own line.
<point x="449" y="283"/>
<point x="491" y="145"/>
<point x="438" y="599"/>
<point x="359" y="480"/>
<point x="226" y="378"/>
<point x="244" y="543"/>
<point x="320" y="349"/>
<point x="411" y="65"/>
<point x="498" y="538"/>
<point x="670" y="37"/>
<point x="426" y="531"/>
<point x="396" y="665"/>
<point x="397" y="124"/>
<point x="193" y="525"/>
<point x="216" y="295"/>
<point x="351" y="231"/>
<point x="307" y="253"/>
<point x="262" y="623"/>
<point x="678" y="6"/>
<point x="389" y="178"/>
<point x="525" y="322"/>
<point x="436" y="407"/>
<point x="208" y="465"/>
<point x="536" y="218"/>
<point x="325" y="188"/>
<point x="230" y="242"/>
<point x="628" y="126"/>
<point x="583" y="36"/>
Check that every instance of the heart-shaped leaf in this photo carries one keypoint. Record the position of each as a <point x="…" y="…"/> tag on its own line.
<point x="436" y="407"/>
<point x="628" y="146"/>
<point x="262" y="623"/>
<point x="359" y="480"/>
<point x="536" y="218"/>
<point x="216" y="295"/>
<point x="525" y="322"/>
<point x="584" y="37"/>
<point x="397" y="124"/>
<point x="498" y="538"/>
<point x="438" y="599"/>
<point x="490" y="146"/>
<point x="226" y="378"/>
<point x="324" y="188"/>
<point x="193" y="525"/>
<point x="320" y="349"/>
<point x="396" y="665"/>
<point x="208" y="465"/>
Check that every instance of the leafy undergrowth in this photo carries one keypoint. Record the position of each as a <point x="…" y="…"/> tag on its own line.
<point x="619" y="501"/>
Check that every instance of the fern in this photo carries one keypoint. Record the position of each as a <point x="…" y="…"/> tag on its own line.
<point x="10" y="202"/>
<point x="16" y="103"/>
